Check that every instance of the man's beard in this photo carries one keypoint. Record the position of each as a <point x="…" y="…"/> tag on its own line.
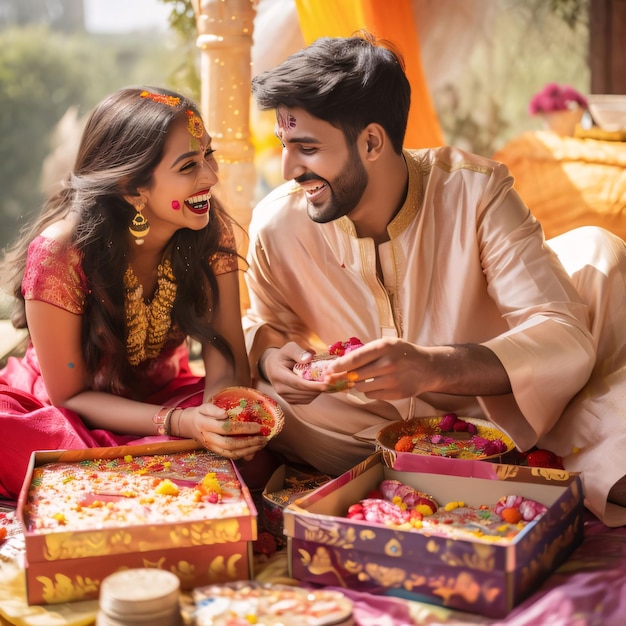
<point x="346" y="192"/>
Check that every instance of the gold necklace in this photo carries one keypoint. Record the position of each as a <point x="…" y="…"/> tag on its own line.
<point x="148" y="324"/>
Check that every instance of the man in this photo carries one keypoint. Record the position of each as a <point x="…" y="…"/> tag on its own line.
<point x="433" y="261"/>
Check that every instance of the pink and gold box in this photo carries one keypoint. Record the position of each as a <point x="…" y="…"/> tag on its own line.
<point x="327" y="548"/>
<point x="284" y="486"/>
<point x="65" y="566"/>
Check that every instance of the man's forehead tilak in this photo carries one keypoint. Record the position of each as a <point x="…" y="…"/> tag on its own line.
<point x="285" y="120"/>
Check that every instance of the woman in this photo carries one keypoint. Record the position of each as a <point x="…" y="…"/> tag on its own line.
<point x="127" y="261"/>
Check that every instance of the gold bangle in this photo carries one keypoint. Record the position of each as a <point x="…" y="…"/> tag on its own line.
<point x="180" y="414"/>
<point x="162" y="419"/>
<point x="167" y="425"/>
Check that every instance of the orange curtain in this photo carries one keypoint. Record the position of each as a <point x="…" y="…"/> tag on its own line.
<point x="394" y="21"/>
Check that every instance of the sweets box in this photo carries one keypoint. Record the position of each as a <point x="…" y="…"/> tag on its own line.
<point x="285" y="485"/>
<point x="69" y="566"/>
<point x="327" y="548"/>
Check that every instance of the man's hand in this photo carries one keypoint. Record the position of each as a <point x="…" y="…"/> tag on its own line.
<point x="277" y="366"/>
<point x="391" y="369"/>
<point x="384" y="369"/>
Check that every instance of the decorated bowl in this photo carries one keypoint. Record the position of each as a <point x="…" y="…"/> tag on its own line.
<point x="446" y="436"/>
<point x="245" y="404"/>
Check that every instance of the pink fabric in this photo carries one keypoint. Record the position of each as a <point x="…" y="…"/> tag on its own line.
<point x="29" y="422"/>
<point x="589" y="588"/>
<point x="371" y="610"/>
<point x="54" y="275"/>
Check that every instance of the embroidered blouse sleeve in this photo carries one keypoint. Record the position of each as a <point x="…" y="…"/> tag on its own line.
<point x="54" y="275"/>
<point x="224" y="262"/>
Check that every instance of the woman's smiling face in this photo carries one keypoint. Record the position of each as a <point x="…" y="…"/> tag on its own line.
<point x="183" y="180"/>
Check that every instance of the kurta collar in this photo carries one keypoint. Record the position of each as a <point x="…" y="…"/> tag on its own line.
<point x="410" y="207"/>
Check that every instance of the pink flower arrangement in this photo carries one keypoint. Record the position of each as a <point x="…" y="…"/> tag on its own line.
<point x="555" y="97"/>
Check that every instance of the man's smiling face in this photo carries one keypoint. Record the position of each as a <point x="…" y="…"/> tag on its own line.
<point x="317" y="156"/>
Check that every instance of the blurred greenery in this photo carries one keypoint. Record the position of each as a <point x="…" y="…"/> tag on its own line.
<point x="528" y="44"/>
<point x="182" y="21"/>
<point x="42" y="74"/>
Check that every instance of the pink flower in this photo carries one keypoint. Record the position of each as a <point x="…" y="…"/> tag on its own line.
<point x="448" y="421"/>
<point x="554" y="97"/>
<point x="495" y="446"/>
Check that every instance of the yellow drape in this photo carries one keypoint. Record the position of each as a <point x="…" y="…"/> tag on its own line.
<point x="386" y="20"/>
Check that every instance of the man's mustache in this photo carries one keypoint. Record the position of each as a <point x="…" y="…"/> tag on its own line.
<point x="309" y="176"/>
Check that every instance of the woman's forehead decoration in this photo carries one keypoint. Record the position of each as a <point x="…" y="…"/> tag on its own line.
<point x="194" y="125"/>
<point x="170" y="101"/>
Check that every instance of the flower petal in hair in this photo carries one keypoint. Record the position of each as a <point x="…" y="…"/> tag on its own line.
<point x="170" y="101"/>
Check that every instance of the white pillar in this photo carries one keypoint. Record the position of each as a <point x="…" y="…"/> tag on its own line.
<point x="225" y="29"/>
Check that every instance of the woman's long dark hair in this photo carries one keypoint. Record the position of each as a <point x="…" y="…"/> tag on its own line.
<point x="122" y="143"/>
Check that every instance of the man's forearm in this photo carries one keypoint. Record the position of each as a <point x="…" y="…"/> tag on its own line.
<point x="471" y="369"/>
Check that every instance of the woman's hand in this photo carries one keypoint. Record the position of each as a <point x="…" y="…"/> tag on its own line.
<point x="211" y="426"/>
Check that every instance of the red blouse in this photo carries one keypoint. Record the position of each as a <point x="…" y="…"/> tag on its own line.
<point x="54" y="273"/>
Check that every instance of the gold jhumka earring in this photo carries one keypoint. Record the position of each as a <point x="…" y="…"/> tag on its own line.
<point x="140" y="226"/>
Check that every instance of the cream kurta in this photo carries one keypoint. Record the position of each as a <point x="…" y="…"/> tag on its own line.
<point x="466" y="263"/>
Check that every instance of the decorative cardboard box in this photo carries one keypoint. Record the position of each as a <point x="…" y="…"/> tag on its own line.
<point x="475" y="575"/>
<point x="285" y="485"/>
<point x="64" y="566"/>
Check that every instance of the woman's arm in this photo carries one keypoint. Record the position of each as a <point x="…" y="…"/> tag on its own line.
<point x="56" y="336"/>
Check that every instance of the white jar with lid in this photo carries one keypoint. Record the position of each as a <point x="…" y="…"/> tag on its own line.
<point x="140" y="597"/>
